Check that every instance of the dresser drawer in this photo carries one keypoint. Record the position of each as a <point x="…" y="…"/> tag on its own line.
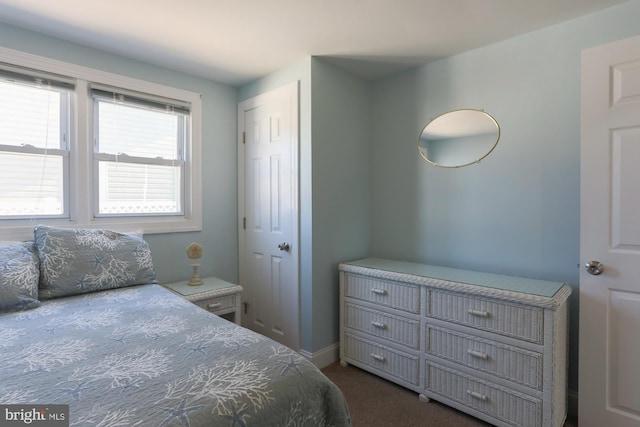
<point x="519" y="321"/>
<point x="498" y="402"/>
<point x="217" y="304"/>
<point x="511" y="363"/>
<point x="390" y="361"/>
<point x="389" y="294"/>
<point x="383" y="325"/>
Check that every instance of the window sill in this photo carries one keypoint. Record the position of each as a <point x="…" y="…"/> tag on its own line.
<point x="21" y="230"/>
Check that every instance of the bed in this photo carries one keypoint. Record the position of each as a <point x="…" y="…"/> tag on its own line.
<point x="122" y="353"/>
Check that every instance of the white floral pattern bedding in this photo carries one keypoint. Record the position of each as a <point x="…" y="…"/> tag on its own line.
<point x="142" y="356"/>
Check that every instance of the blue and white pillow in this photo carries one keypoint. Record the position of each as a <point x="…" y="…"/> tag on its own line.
<point x="19" y="275"/>
<point x="77" y="261"/>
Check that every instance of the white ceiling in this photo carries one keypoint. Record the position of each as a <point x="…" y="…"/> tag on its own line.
<point x="236" y="41"/>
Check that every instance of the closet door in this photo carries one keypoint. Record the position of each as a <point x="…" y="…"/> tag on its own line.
<point x="268" y="209"/>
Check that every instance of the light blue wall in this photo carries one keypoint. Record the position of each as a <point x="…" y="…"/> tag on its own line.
<point x="341" y="187"/>
<point x="219" y="103"/>
<point x="364" y="188"/>
<point x="318" y="260"/>
<point x="516" y="212"/>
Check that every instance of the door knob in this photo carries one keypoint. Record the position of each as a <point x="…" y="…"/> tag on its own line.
<point x="594" y="267"/>
<point x="284" y="247"/>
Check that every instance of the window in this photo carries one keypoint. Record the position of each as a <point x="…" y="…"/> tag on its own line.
<point x="139" y="147"/>
<point x="82" y="147"/>
<point x="34" y="148"/>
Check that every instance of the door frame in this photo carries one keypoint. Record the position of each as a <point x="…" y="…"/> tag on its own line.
<point x="290" y="91"/>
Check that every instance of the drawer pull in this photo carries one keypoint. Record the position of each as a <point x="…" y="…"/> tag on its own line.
<point x="378" y="357"/>
<point x="478" y="354"/>
<point x="478" y="313"/>
<point x="379" y="291"/>
<point x="214" y="305"/>
<point x="477" y="395"/>
<point x="379" y="325"/>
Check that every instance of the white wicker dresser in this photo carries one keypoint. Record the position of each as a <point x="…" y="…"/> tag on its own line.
<point x="490" y="345"/>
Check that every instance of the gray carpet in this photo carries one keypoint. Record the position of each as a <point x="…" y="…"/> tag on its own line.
<point x="375" y="402"/>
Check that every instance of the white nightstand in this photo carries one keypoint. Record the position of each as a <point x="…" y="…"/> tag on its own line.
<point x="214" y="295"/>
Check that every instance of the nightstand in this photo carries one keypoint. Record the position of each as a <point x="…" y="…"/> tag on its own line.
<point x="214" y="295"/>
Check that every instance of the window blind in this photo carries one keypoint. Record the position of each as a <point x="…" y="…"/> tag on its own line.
<point x="34" y="143"/>
<point x="28" y="77"/>
<point x="149" y="101"/>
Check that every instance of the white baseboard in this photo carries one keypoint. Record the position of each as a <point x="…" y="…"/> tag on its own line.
<point x="323" y="357"/>
<point x="572" y="403"/>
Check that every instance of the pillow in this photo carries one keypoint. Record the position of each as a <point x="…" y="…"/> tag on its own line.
<point x="77" y="261"/>
<point x="18" y="277"/>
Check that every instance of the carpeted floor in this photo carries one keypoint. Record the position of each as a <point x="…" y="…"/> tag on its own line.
<point x="375" y="402"/>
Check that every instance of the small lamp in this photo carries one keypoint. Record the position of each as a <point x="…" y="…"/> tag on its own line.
<point x="194" y="251"/>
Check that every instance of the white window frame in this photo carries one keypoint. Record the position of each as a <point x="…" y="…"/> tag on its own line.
<point x="183" y="137"/>
<point x="81" y="152"/>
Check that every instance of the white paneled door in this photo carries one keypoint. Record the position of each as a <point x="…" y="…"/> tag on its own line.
<point x="268" y="214"/>
<point x="609" y="362"/>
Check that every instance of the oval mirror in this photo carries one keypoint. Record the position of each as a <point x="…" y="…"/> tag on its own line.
<point x="459" y="138"/>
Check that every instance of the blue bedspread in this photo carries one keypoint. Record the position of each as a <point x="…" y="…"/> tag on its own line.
<point x="142" y="356"/>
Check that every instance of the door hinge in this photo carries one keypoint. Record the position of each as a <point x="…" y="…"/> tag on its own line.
<point x="245" y="306"/>
<point x="244" y="223"/>
<point x="244" y="137"/>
